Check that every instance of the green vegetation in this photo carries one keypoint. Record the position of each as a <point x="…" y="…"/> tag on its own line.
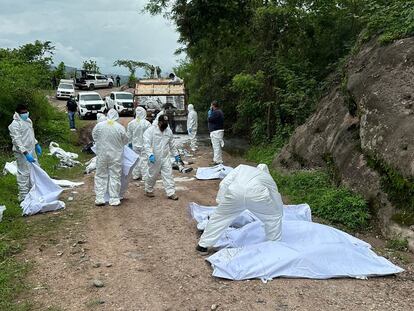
<point x="400" y="190"/>
<point x="337" y="205"/>
<point x="397" y="244"/>
<point x="151" y="71"/>
<point x="15" y="229"/>
<point x="25" y="77"/>
<point x="91" y="66"/>
<point x="267" y="62"/>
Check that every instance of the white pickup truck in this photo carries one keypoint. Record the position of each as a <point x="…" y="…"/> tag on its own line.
<point x="89" y="104"/>
<point x="123" y="102"/>
<point x="91" y="81"/>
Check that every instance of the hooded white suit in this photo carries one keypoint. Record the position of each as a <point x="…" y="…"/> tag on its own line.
<point x="23" y="139"/>
<point x="110" y="138"/>
<point x="246" y="188"/>
<point x="135" y="132"/>
<point x="192" y="124"/>
<point x="162" y="146"/>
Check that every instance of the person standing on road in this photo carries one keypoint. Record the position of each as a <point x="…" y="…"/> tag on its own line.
<point x="216" y="129"/>
<point x="245" y="188"/>
<point x="72" y="108"/>
<point x="192" y="124"/>
<point x="110" y="138"/>
<point x="118" y="81"/>
<point x="135" y="132"/>
<point x="25" y="147"/>
<point x="159" y="146"/>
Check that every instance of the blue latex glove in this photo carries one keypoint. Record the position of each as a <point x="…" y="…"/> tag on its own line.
<point x="152" y="158"/>
<point x="209" y="113"/>
<point x="177" y="158"/>
<point x="29" y="158"/>
<point x="38" y="149"/>
<point x="130" y="146"/>
<point x="189" y="131"/>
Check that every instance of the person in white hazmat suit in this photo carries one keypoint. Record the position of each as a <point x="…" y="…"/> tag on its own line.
<point x="192" y="124"/>
<point x="245" y="188"/>
<point x="25" y="148"/>
<point x="110" y="138"/>
<point x="135" y="132"/>
<point x="159" y="145"/>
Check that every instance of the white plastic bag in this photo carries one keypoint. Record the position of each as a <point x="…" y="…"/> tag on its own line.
<point x="67" y="159"/>
<point x="2" y="209"/>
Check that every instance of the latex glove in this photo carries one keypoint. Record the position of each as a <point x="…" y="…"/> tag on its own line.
<point x="29" y="158"/>
<point x="189" y="131"/>
<point x="130" y="146"/>
<point x="38" y="149"/>
<point x="209" y="113"/>
<point x="152" y="158"/>
<point x="177" y="158"/>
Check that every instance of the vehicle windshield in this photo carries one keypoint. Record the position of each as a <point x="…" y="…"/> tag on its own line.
<point x="123" y="96"/>
<point x="90" y="97"/>
<point x="66" y="86"/>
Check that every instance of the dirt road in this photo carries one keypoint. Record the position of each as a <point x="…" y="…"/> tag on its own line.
<point x="143" y="253"/>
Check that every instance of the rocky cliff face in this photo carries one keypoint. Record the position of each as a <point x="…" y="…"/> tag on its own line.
<point x="364" y="125"/>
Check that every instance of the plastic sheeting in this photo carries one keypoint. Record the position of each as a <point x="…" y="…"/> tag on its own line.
<point x="67" y="159"/>
<point x="306" y="250"/>
<point x="216" y="172"/>
<point x="129" y="160"/>
<point x="11" y="168"/>
<point x="2" y="209"/>
<point x="44" y="195"/>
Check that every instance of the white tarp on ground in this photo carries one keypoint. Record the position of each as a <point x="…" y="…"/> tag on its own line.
<point x="215" y="172"/>
<point x="44" y="195"/>
<point x="11" y="167"/>
<point x="307" y="250"/>
<point x="67" y="159"/>
<point x="129" y="160"/>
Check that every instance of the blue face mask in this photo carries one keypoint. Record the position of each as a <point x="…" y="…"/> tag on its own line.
<point x="24" y="116"/>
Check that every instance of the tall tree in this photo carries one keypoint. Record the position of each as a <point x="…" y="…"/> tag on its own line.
<point x="91" y="66"/>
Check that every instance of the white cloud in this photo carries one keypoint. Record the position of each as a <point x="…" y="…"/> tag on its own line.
<point x="104" y="30"/>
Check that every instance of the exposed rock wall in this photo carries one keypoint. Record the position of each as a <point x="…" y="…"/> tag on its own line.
<point x="371" y="117"/>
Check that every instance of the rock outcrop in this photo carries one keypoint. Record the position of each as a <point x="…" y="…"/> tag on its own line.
<point x="369" y="118"/>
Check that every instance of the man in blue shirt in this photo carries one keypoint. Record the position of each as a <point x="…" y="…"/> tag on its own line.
<point x="216" y="129"/>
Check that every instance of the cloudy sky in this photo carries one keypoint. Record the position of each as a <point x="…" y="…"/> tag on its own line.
<point x="103" y="30"/>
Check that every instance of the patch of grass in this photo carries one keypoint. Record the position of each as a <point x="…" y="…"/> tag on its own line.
<point x="400" y="190"/>
<point x="337" y="205"/>
<point x="398" y="244"/>
<point x="15" y="229"/>
<point x="263" y="153"/>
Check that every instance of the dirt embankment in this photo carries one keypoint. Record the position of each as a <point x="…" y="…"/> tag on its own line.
<point x="364" y="129"/>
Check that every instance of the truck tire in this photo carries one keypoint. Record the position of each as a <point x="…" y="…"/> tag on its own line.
<point x="91" y="87"/>
<point x="110" y="85"/>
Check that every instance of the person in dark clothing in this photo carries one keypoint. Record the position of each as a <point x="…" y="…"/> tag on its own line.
<point x="118" y="81"/>
<point x="72" y="108"/>
<point x="216" y="129"/>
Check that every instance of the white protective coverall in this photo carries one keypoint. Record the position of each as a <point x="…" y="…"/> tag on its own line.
<point x="192" y="124"/>
<point x="246" y="188"/>
<point x="23" y="139"/>
<point x="110" y="138"/>
<point x="162" y="146"/>
<point x="218" y="143"/>
<point x="135" y="132"/>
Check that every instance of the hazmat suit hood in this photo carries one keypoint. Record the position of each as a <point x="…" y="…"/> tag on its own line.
<point x="190" y="107"/>
<point x="140" y="113"/>
<point x="112" y="115"/>
<point x="264" y="168"/>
